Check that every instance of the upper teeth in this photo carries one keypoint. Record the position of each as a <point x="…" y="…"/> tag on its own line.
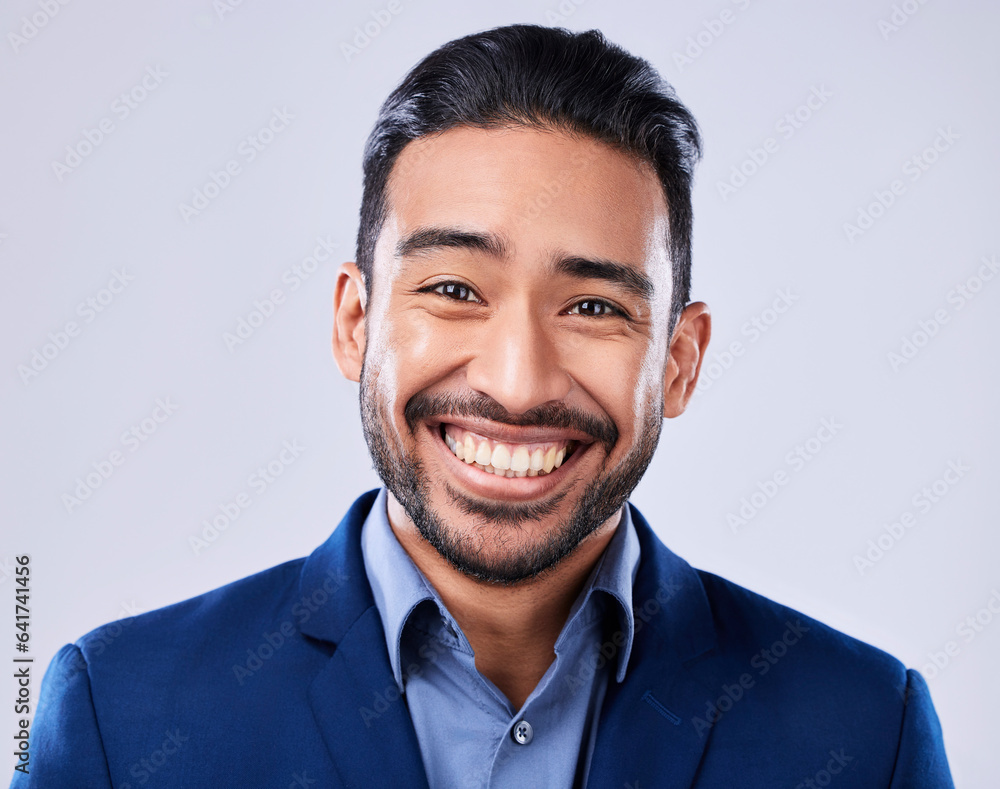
<point x="502" y="459"/>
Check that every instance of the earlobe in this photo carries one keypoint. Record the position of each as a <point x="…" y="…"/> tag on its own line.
<point x="349" y="321"/>
<point x="687" y="350"/>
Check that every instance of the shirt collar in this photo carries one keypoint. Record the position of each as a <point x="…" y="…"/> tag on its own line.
<point x="614" y="574"/>
<point x="398" y="586"/>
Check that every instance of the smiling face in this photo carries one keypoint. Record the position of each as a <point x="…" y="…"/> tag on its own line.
<point x="513" y="354"/>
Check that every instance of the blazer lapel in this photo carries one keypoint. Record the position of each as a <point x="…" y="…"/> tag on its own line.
<point x="645" y="736"/>
<point x="355" y="700"/>
<point x="365" y="723"/>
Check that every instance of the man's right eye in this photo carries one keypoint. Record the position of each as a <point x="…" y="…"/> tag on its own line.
<point x="454" y="290"/>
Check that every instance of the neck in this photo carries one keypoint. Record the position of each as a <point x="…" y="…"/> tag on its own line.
<point x="512" y="629"/>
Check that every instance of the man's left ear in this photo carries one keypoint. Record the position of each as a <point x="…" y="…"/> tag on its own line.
<point x="687" y="349"/>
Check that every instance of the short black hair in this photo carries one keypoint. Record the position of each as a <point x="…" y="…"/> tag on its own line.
<point x="529" y="75"/>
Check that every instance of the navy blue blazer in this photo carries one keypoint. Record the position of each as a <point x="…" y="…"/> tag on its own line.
<point x="282" y="679"/>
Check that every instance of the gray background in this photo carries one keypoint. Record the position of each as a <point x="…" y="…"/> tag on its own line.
<point x="889" y="92"/>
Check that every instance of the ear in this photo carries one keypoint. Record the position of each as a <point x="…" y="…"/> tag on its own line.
<point x="349" y="321"/>
<point x="687" y="349"/>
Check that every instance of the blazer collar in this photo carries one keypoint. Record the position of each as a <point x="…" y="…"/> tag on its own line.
<point x="644" y="734"/>
<point x="354" y="698"/>
<point x="333" y="587"/>
<point x="668" y="594"/>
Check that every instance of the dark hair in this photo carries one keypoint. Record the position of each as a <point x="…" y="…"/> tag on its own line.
<point x="546" y="77"/>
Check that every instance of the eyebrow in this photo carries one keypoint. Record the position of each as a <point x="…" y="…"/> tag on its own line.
<point x="626" y="277"/>
<point x="427" y="238"/>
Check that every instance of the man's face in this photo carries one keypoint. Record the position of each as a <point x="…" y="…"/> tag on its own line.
<point x="515" y="342"/>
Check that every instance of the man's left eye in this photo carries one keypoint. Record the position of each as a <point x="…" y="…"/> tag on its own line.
<point x="593" y="308"/>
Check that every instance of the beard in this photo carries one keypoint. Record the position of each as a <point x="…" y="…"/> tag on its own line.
<point x="492" y="552"/>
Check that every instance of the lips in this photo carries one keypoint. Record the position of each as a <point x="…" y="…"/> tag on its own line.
<point x="535" y="464"/>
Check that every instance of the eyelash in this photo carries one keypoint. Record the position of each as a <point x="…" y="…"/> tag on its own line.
<point x="434" y="289"/>
<point x="612" y="310"/>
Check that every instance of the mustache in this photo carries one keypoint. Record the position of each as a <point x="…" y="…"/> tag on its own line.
<point x="481" y="406"/>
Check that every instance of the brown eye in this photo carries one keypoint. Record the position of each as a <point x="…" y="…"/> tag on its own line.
<point x="455" y="290"/>
<point x="592" y="308"/>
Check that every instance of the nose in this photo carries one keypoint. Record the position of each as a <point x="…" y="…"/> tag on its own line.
<point x="517" y="363"/>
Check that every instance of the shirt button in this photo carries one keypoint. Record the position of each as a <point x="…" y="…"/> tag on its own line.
<point x="522" y="733"/>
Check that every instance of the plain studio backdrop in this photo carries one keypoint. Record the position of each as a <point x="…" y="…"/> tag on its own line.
<point x="181" y="181"/>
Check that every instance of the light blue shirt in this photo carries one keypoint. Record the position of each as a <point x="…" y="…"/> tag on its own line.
<point x="470" y="735"/>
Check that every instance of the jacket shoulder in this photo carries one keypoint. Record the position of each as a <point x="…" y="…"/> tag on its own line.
<point x="777" y="676"/>
<point x="199" y="626"/>
<point x="775" y="671"/>
<point x="761" y="632"/>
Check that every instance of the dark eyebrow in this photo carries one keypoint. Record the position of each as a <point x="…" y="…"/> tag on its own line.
<point x="426" y="238"/>
<point x="626" y="277"/>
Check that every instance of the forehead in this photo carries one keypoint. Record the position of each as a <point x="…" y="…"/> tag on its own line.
<point x="543" y="190"/>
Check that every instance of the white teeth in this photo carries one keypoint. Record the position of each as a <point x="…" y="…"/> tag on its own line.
<point x="503" y="460"/>
<point x="501" y="457"/>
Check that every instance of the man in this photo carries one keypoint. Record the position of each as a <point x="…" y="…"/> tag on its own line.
<point x="499" y="614"/>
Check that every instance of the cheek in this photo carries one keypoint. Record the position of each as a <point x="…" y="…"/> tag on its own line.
<point x="621" y="378"/>
<point x="411" y="356"/>
<point x="649" y="377"/>
<point x="413" y="344"/>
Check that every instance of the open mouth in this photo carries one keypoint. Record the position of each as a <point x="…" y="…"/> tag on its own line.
<point x="504" y="458"/>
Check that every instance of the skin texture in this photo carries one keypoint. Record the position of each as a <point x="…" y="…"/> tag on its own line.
<point x="472" y="320"/>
